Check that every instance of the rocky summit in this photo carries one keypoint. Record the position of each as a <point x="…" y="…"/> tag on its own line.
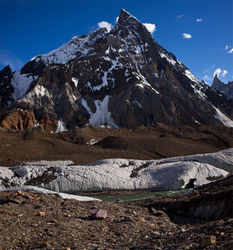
<point x="118" y="78"/>
<point x="226" y="89"/>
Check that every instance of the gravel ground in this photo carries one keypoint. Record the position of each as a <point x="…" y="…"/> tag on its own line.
<point x="35" y="221"/>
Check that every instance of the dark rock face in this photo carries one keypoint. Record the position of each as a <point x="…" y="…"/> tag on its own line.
<point x="121" y="78"/>
<point x="226" y="89"/>
<point x="6" y="89"/>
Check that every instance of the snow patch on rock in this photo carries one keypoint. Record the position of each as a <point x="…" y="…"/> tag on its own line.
<point x="223" y="118"/>
<point x="21" y="83"/>
<point x="101" y="116"/>
<point x="60" y="126"/>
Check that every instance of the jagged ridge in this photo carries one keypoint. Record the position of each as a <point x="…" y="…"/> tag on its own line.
<point x="121" y="78"/>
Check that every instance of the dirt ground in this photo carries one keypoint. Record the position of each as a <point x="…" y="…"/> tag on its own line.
<point x="142" y="143"/>
<point x="35" y="221"/>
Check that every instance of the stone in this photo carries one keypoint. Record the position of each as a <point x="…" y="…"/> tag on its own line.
<point x="208" y="241"/>
<point x="99" y="214"/>
<point x="141" y="219"/>
<point x="129" y="219"/>
<point x="42" y="214"/>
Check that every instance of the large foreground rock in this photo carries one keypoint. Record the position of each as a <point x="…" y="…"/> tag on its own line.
<point x="119" y="174"/>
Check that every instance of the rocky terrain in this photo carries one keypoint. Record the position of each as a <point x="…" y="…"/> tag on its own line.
<point x="37" y="221"/>
<point x="226" y="89"/>
<point x="90" y="144"/>
<point x="83" y="81"/>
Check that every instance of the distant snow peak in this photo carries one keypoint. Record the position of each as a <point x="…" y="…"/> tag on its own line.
<point x="106" y="25"/>
<point x="150" y="27"/>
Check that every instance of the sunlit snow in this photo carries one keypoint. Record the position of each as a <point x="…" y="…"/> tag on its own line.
<point x="21" y="83"/>
<point x="60" y="127"/>
<point x="223" y="118"/>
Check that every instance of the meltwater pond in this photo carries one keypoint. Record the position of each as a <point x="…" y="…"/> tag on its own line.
<point x="124" y="196"/>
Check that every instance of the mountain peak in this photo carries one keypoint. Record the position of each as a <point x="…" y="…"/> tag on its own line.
<point x="126" y="18"/>
<point x="216" y="77"/>
<point x="121" y="78"/>
<point x="217" y="83"/>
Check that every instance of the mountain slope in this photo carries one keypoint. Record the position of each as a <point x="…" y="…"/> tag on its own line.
<point x="121" y="78"/>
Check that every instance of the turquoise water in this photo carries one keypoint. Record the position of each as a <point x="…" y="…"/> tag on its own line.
<point x="132" y="197"/>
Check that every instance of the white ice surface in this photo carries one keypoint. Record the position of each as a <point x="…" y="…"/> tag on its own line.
<point x="40" y="190"/>
<point x="170" y="173"/>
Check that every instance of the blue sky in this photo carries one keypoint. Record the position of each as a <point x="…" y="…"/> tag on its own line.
<point x="198" y="32"/>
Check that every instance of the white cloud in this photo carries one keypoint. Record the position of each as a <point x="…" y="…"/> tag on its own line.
<point x="224" y="72"/>
<point x="220" y="73"/>
<point x="230" y="51"/>
<point x="106" y="25"/>
<point x="179" y="17"/>
<point x="117" y="18"/>
<point x="227" y="47"/>
<point x="199" y="20"/>
<point x="206" y="78"/>
<point x="186" y="35"/>
<point x="217" y="72"/>
<point x="151" y="27"/>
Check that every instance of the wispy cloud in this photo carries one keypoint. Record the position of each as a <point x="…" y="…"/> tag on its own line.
<point x="106" y="25"/>
<point x="8" y="58"/>
<point x="224" y="72"/>
<point x="186" y="35"/>
<point x="199" y="20"/>
<point x="217" y="72"/>
<point x="179" y="17"/>
<point x="229" y="49"/>
<point x="220" y="73"/>
<point x="206" y="77"/>
<point x="150" y="27"/>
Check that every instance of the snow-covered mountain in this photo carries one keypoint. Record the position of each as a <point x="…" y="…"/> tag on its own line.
<point x="119" y="78"/>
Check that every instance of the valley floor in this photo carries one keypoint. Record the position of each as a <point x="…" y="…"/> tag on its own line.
<point x="36" y="221"/>
<point x="143" y="143"/>
<point x="40" y="221"/>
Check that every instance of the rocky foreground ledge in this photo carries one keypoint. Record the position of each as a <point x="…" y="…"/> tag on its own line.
<point x="175" y="221"/>
<point x="120" y="174"/>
